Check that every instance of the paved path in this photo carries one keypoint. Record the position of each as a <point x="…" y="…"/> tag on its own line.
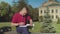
<point x="31" y="33"/>
<point x="16" y="33"/>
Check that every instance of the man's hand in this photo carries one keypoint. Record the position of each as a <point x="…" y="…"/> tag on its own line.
<point x="14" y="24"/>
<point x="21" y="23"/>
<point x="31" y="25"/>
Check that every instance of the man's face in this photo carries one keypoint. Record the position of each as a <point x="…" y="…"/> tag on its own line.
<point x="24" y="11"/>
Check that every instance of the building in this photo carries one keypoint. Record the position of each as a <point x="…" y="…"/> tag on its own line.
<point x="54" y="9"/>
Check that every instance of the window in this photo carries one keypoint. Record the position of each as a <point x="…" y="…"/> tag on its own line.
<point x="52" y="16"/>
<point x="41" y="11"/>
<point x="44" y="11"/>
<point x="56" y="11"/>
<point x="56" y="16"/>
<point x="52" y="11"/>
<point x="49" y="11"/>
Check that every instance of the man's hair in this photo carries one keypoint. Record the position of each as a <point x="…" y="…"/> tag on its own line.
<point x="20" y="8"/>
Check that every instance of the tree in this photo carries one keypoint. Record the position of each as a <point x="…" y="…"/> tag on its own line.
<point x="4" y="7"/>
<point x="40" y="18"/>
<point x="5" y="10"/>
<point x="30" y="10"/>
<point x="33" y="12"/>
<point x="47" y="23"/>
<point x="58" y="22"/>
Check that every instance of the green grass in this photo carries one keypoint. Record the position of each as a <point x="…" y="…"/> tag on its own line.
<point x="36" y="27"/>
<point x="4" y="24"/>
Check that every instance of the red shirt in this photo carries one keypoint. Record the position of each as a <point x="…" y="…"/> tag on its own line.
<point x="17" y="18"/>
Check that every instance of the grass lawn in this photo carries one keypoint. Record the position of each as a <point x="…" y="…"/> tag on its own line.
<point x="35" y="29"/>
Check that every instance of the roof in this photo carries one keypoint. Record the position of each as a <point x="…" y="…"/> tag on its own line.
<point x="52" y="3"/>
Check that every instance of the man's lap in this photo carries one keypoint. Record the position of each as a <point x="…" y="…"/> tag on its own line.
<point x="22" y="30"/>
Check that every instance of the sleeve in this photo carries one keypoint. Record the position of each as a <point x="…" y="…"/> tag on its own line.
<point x="14" y="19"/>
<point x="29" y="18"/>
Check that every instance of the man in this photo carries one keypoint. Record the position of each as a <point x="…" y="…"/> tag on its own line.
<point x="19" y="20"/>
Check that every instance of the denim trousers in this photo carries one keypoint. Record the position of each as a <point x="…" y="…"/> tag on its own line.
<point x="22" y="30"/>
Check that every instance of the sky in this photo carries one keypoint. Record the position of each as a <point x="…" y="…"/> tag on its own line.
<point x="34" y="3"/>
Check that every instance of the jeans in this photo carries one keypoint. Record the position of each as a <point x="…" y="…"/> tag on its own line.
<point x="22" y="30"/>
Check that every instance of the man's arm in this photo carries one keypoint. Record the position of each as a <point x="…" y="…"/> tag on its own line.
<point x="31" y="22"/>
<point x="14" y="24"/>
